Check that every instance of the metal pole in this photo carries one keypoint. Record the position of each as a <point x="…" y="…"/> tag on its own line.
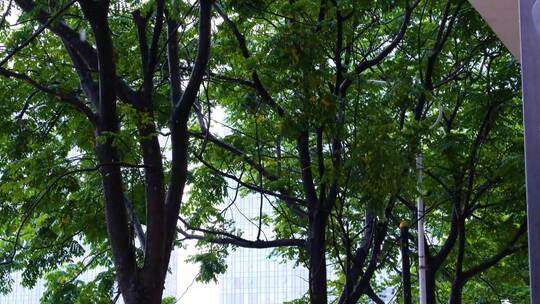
<point x="530" y="65"/>
<point x="421" y="245"/>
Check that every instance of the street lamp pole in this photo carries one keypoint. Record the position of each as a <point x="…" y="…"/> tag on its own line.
<point x="422" y="285"/>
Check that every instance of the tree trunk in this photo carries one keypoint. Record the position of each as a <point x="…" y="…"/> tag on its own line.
<point x="455" y="294"/>
<point x="143" y="295"/>
<point x="457" y="284"/>
<point x="356" y="262"/>
<point x="317" y="260"/>
<point x="405" y="263"/>
<point x="119" y="234"/>
<point x="430" y="285"/>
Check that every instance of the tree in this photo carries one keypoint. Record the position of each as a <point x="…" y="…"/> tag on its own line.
<point x="472" y="140"/>
<point x="327" y="103"/>
<point x="437" y="76"/>
<point x="106" y="73"/>
<point x="294" y="108"/>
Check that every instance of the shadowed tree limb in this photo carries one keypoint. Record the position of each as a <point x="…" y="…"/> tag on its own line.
<point x="181" y="110"/>
<point x="67" y="98"/>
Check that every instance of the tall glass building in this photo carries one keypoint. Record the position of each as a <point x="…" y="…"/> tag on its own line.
<point x="23" y="295"/>
<point x="253" y="276"/>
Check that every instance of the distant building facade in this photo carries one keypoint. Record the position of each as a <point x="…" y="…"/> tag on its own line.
<point x="23" y="295"/>
<point x="253" y="276"/>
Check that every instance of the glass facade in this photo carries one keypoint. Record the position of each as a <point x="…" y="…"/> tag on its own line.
<point x="253" y="276"/>
<point x="23" y="295"/>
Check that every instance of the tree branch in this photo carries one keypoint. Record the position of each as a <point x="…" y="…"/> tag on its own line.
<point x="83" y="48"/>
<point x="179" y="118"/>
<point x="220" y="237"/>
<point x="40" y="30"/>
<point x="503" y="252"/>
<point x="259" y="87"/>
<point x="70" y="99"/>
<point x="211" y="138"/>
<point x="368" y="63"/>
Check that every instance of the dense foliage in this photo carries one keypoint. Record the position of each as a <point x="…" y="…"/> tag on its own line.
<point x="326" y="106"/>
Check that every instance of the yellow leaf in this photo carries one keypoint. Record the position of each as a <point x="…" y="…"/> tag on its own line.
<point x="259" y="118"/>
<point x="296" y="55"/>
<point x="326" y="103"/>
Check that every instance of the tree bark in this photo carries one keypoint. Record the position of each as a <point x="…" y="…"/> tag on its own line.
<point x="123" y="250"/>
<point x="356" y="267"/>
<point x="317" y="259"/>
<point x="405" y="263"/>
<point x="317" y="220"/>
<point x="181" y="110"/>
<point x="431" y="285"/>
<point x="456" y="291"/>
